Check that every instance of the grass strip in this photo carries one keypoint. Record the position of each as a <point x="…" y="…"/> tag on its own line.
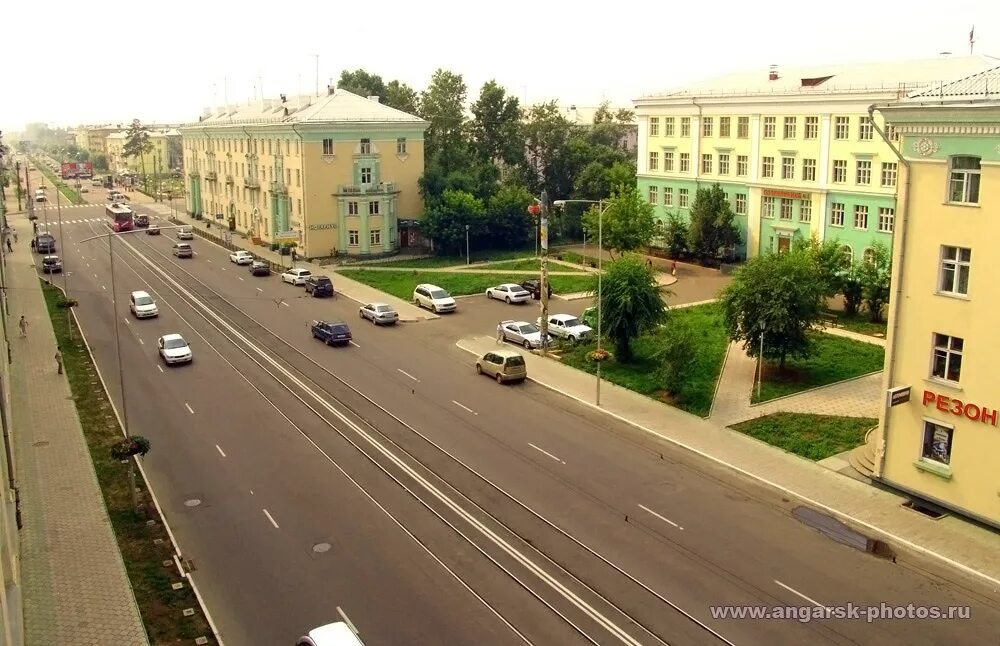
<point x="401" y="283"/>
<point x="437" y="262"/>
<point x="69" y="193"/>
<point x="812" y="436"/>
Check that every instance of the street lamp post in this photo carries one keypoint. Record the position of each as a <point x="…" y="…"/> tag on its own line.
<point x="760" y="359"/>
<point x="468" y="260"/>
<point x="62" y="240"/>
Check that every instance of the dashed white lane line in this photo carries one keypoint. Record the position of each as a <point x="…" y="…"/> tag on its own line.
<point x="354" y="344"/>
<point x="460" y="405"/>
<point x="408" y="375"/>
<point x="541" y="450"/>
<point x="285" y="304"/>
<point x="221" y="452"/>
<point x="240" y="277"/>
<point x="159" y="367"/>
<point x="104" y="288"/>
<point x="259" y="289"/>
<point x="347" y="620"/>
<point x="661" y="517"/>
<point x="88" y="265"/>
<point x="270" y="518"/>
<point x="209" y="259"/>
<point x="188" y="406"/>
<point x="799" y="594"/>
<point x="127" y="322"/>
<point x="95" y="275"/>
<point x="141" y="342"/>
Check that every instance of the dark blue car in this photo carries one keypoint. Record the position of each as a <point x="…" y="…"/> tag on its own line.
<point x="331" y="333"/>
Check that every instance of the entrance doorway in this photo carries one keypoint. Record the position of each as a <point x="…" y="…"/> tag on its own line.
<point x="784" y="244"/>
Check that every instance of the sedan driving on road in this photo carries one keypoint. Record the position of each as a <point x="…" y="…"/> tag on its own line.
<point x="319" y="286"/>
<point x="153" y="230"/>
<point x="260" y="268"/>
<point x="174" y="349"/>
<point x="522" y="333"/>
<point x="295" y="276"/>
<point x="509" y="293"/>
<point x="379" y="313"/>
<point x="331" y="333"/>
<point x="241" y="257"/>
<point x="185" y="233"/>
<point x="142" y="305"/>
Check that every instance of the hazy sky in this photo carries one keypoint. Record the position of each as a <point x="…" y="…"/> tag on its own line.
<point x="166" y="61"/>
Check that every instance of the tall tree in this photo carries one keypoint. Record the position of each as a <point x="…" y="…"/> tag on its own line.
<point x="445" y="221"/>
<point x="402" y="97"/>
<point x="627" y="224"/>
<point x="675" y="232"/>
<point x="508" y="224"/>
<point x="631" y="303"/>
<point x="137" y="144"/>
<point x="712" y="228"/>
<point x="442" y="104"/>
<point x="361" y="82"/>
<point x="831" y="262"/>
<point x="496" y="125"/>
<point x="547" y="137"/>
<point x="875" y="274"/>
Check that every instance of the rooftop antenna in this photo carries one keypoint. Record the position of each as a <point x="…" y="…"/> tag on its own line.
<point x="317" y="73"/>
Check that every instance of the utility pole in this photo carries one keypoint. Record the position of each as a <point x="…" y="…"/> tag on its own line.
<point x="543" y="285"/>
<point x="62" y="240"/>
<point x="27" y="192"/>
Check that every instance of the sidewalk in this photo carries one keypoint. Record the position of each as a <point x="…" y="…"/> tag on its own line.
<point x="879" y="513"/>
<point x="76" y="590"/>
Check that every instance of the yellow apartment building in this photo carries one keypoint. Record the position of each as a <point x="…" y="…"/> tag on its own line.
<point x="164" y="155"/>
<point x="939" y="433"/>
<point x="335" y="174"/>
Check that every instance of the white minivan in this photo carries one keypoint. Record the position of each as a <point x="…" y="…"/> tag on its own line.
<point x="433" y="298"/>
<point x="335" y="634"/>
<point x="142" y="305"/>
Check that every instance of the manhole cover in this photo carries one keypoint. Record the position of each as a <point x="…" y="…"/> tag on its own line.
<point x="41" y="443"/>
<point x="193" y="502"/>
<point x="319" y="548"/>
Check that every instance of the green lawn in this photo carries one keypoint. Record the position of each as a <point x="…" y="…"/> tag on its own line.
<point x="812" y="436"/>
<point x="401" y="283"/>
<point x="530" y="264"/>
<point x="832" y="359"/>
<point x="436" y="262"/>
<point x="705" y="321"/>
<point x="860" y="323"/>
<point x="67" y="191"/>
<point x="573" y="257"/>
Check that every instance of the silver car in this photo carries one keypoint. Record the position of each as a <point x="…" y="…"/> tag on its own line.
<point x="379" y="313"/>
<point x="522" y="333"/>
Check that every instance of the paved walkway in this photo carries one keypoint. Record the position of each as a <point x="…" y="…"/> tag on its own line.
<point x="76" y="590"/>
<point x="962" y="544"/>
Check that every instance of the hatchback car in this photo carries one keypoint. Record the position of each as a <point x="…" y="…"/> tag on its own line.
<point x="52" y="265"/>
<point x="142" y="305"/>
<point x="153" y="230"/>
<point x="185" y="233"/>
<point x="502" y="365"/>
<point x="379" y="313"/>
<point x="260" y="268"/>
<point x="509" y="293"/>
<point x="183" y="250"/>
<point x="174" y="349"/>
<point x="296" y="276"/>
<point x="433" y="298"/>
<point x="319" y="286"/>
<point x="241" y="257"/>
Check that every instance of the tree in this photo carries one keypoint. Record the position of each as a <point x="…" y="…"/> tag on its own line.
<point x="126" y="449"/>
<point x="508" y="224"/>
<point x="676" y="357"/>
<point x="779" y="295"/>
<point x="446" y="219"/>
<point x="852" y="289"/>
<point x="875" y="274"/>
<point x="361" y="82"/>
<point x="496" y="125"/>
<point x="630" y="303"/>
<point x="546" y="165"/>
<point x="831" y="262"/>
<point x="402" y="97"/>
<point x="712" y="229"/>
<point x="137" y="144"/>
<point x="442" y="105"/>
<point x="628" y="222"/>
<point x="101" y="162"/>
<point x="675" y="232"/>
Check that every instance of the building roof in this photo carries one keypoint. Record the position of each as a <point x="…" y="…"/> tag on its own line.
<point x="974" y="87"/>
<point x="838" y="78"/>
<point x="337" y="106"/>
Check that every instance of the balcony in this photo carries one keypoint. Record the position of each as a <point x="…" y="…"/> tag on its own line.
<point x="251" y="181"/>
<point x="211" y="176"/>
<point x="279" y="188"/>
<point x="229" y="180"/>
<point x="367" y="189"/>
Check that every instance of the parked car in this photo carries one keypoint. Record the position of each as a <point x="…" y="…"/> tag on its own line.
<point x="185" y="233"/>
<point x="296" y="276"/>
<point x="142" y="305"/>
<point x="52" y="265"/>
<point x="319" y="286"/>
<point x="153" y="230"/>
<point x="45" y="243"/>
<point x="183" y="250"/>
<point x="533" y="285"/>
<point x="260" y="268"/>
<point x="509" y="293"/>
<point x="335" y="634"/>
<point x="433" y="298"/>
<point x="241" y="257"/>
<point x="522" y="333"/>
<point x="331" y="333"/>
<point x="589" y="317"/>
<point x="379" y="313"/>
<point x="502" y="365"/>
<point x="174" y="349"/>
<point x="567" y="326"/>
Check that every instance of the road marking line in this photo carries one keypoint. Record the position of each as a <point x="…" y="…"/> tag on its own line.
<point x="350" y="624"/>
<point x="102" y="286"/>
<point x="663" y="518"/>
<point x="209" y="259"/>
<point x="95" y="275"/>
<point x="268" y="514"/>
<point x="240" y="277"/>
<point x="223" y="453"/>
<point x="796" y="592"/>
<point x="88" y="265"/>
<point x="188" y="406"/>
<point x="259" y="289"/>
<point x="546" y="453"/>
<point x="141" y="342"/>
<point x="159" y="367"/>
<point x="285" y="304"/>
<point x="464" y="406"/>
<point x="354" y="344"/>
<point x="408" y="375"/>
<point x="126" y="321"/>
<point x="223" y="269"/>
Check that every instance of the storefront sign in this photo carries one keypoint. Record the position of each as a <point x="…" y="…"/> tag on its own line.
<point x="960" y="408"/>
<point x="777" y="192"/>
<point x="321" y="227"/>
<point x="899" y="395"/>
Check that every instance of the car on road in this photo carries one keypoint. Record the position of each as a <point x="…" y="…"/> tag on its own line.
<point x="141" y="220"/>
<point x="96" y="182"/>
<point x="174" y="349"/>
<point x="260" y="268"/>
<point x="502" y="365"/>
<point x="522" y="333"/>
<point x="509" y="293"/>
<point x="335" y="634"/>
<point x="379" y="313"/>
<point x="153" y="230"/>
<point x="241" y="257"/>
<point x="433" y="298"/>
<point x="142" y="305"/>
<point x="568" y="327"/>
<point x="182" y="250"/>
<point x="84" y="189"/>
<point x="45" y="243"/>
<point x="41" y="198"/>
<point x="533" y="285"/>
<point x="52" y="265"/>
<point x="319" y="286"/>
<point x="331" y="333"/>
<point x="295" y="276"/>
<point x="185" y="233"/>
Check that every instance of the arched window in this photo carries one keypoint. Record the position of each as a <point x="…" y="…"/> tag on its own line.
<point x="869" y="256"/>
<point x="848" y="253"/>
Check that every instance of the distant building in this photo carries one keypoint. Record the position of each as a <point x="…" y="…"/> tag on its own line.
<point x="94" y="138"/>
<point x="336" y="174"/>
<point x="791" y="147"/>
<point x="584" y="117"/>
<point x="164" y="156"/>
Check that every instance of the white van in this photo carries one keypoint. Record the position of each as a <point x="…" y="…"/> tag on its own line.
<point x="335" y="634"/>
<point x="142" y="305"/>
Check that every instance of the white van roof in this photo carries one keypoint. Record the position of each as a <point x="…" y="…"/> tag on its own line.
<point x="139" y="293"/>
<point x="335" y="634"/>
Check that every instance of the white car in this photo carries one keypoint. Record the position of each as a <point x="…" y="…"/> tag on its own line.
<point x="509" y="293"/>
<point x="142" y="305"/>
<point x="379" y="313"/>
<point x="174" y="349"/>
<point x="522" y="333"/>
<point x="567" y="326"/>
<point x="295" y="276"/>
<point x="433" y="298"/>
<point x="185" y="233"/>
<point x="241" y="257"/>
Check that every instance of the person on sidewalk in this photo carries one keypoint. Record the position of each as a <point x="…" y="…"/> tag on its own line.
<point x="14" y="231"/>
<point x="500" y="333"/>
<point x="59" y="361"/>
<point x="673" y="267"/>
<point x="10" y="247"/>
<point x="23" y="324"/>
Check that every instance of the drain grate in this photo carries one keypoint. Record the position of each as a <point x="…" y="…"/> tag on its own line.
<point x="931" y="511"/>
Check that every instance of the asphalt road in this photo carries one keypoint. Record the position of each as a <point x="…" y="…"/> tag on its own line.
<point x="582" y="472"/>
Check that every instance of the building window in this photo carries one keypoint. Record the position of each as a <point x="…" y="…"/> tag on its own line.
<point x="298" y="177"/>
<point x="373" y="208"/>
<point x="868" y="256"/>
<point x="791" y="124"/>
<point x="742" y="164"/>
<point x="299" y="207"/>
<point x="770" y="126"/>
<point x="375" y="235"/>
<point x="401" y="146"/>
<point x="865" y="130"/>
<point x="706" y="126"/>
<point x="366" y="146"/>
<point x="956" y="263"/>
<point x="842" y="128"/>
<point x="805" y="211"/>
<point x="837" y="214"/>
<point x="812" y="128"/>
<point x="964" y="180"/>
<point x="786" y="209"/>
<point x="861" y="217"/>
<point x="741" y="204"/>
<point x="668" y="196"/>
<point x="706" y="163"/>
<point x="787" y="168"/>
<point x="668" y="161"/>
<point x="352" y="208"/>
<point x="890" y="132"/>
<point x="886" y="218"/>
<point x="839" y="171"/>
<point x="808" y="170"/>
<point x="685" y="126"/>
<point x="352" y="237"/>
<point x="366" y="175"/>
<point x="848" y="254"/>
<point x="653" y="196"/>
<point x="654" y="161"/>
<point x="937" y="442"/>
<point x="328" y="146"/>
<point x="947" y="360"/>
<point x="723" y="163"/>
<point x="682" y="198"/>
<point x="767" y="167"/>
<point x="743" y="127"/>
<point x="723" y="126"/>
<point x="889" y="171"/>
<point x="863" y="171"/>
<point x="668" y="126"/>
<point x="685" y="162"/>
<point x="767" y="207"/>
<point x="654" y="126"/>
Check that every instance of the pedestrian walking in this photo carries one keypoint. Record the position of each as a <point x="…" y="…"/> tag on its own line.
<point x="15" y="235"/>
<point x="32" y="245"/>
<point x="500" y="333"/>
<point x="34" y="228"/>
<point x="10" y="247"/>
<point x="59" y="360"/>
<point x="23" y="324"/>
<point x="673" y="268"/>
<point x="649" y="264"/>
